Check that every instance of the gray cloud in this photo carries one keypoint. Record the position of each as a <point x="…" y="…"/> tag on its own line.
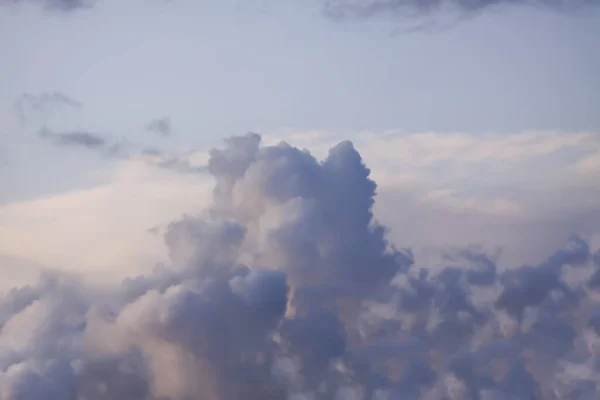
<point x="30" y="107"/>
<point x="81" y="139"/>
<point x="179" y="162"/>
<point x="57" y="5"/>
<point x="366" y="9"/>
<point x="287" y="288"/>
<point x="161" y="126"/>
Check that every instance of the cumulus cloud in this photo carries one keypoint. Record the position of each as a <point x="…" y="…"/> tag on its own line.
<point x="494" y="190"/>
<point x="286" y="287"/>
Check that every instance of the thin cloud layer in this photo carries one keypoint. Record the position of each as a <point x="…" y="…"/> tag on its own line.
<point x="366" y="9"/>
<point x="287" y="288"/>
<point x="30" y="107"/>
<point x="402" y="9"/>
<point x="189" y="162"/>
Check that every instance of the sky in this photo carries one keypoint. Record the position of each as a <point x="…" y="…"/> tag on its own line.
<point x="180" y="76"/>
<point x="133" y="183"/>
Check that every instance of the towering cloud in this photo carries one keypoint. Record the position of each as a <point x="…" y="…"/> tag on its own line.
<point x="287" y="288"/>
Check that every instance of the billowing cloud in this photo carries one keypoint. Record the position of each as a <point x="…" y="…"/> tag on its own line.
<point x="286" y="287"/>
<point x="439" y="184"/>
<point x="404" y="9"/>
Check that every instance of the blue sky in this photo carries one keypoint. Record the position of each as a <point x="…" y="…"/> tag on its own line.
<point x="213" y="69"/>
<point x="218" y="68"/>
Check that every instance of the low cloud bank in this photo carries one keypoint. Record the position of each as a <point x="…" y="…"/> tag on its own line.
<point x="287" y="288"/>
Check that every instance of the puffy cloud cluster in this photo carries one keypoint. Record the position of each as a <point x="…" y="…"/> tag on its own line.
<point x="287" y="288"/>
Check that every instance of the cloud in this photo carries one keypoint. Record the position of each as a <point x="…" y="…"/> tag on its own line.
<point x="161" y="126"/>
<point x="452" y="171"/>
<point x="496" y="190"/>
<point x="285" y="286"/>
<point x="57" y="5"/>
<point x="194" y="161"/>
<point x="408" y="9"/>
<point x="80" y="139"/>
<point x="17" y="271"/>
<point x="100" y="232"/>
<point x="589" y="165"/>
<point x="440" y="182"/>
<point x="30" y="107"/>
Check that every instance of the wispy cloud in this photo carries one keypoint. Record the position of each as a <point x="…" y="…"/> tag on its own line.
<point x="56" y="5"/>
<point x="406" y="9"/>
<point x="81" y="139"/>
<point x="30" y="107"/>
<point x="193" y="161"/>
<point x="161" y="126"/>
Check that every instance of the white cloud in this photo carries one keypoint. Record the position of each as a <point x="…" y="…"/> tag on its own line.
<point x="589" y="165"/>
<point x="500" y="190"/>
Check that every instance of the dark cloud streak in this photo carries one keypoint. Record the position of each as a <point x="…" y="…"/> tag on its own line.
<point x="79" y="139"/>
<point x="64" y="6"/>
<point x="82" y="139"/>
<point x="30" y="107"/>
<point x="343" y="10"/>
